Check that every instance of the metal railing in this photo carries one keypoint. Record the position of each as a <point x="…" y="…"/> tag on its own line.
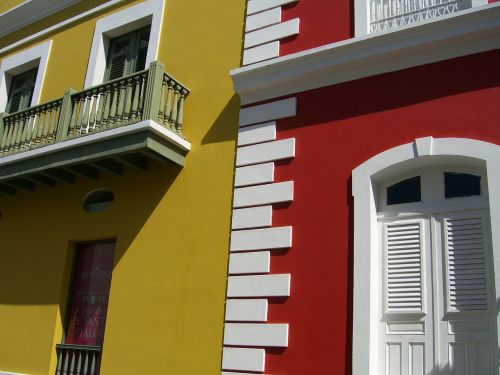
<point x="149" y="94"/>
<point x="391" y="14"/>
<point x="78" y="359"/>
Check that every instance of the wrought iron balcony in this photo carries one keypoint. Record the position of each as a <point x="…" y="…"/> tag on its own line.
<point x="126" y="120"/>
<point x="78" y="359"/>
<point x="390" y="14"/>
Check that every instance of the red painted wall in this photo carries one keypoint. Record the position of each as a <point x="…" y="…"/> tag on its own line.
<point x="336" y="129"/>
<point x="317" y="28"/>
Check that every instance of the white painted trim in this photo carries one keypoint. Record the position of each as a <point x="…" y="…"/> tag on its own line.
<point x="96" y="137"/>
<point x="463" y="33"/>
<point x="255" y="6"/>
<point x="30" y="11"/>
<point x="244" y="359"/>
<point x="276" y="285"/>
<point x="59" y="25"/>
<point x="21" y="62"/>
<point x="263" y="194"/>
<point x="271" y="33"/>
<point x="254" y="174"/>
<point x="257" y="133"/>
<point x="149" y="12"/>
<point x="256" y="334"/>
<point x="11" y="373"/>
<point x="264" y="19"/>
<point x="264" y="152"/>
<point x="364" y="178"/>
<point x="260" y="239"/>
<point x="235" y="373"/>
<point x="246" y="310"/>
<point x="252" y="217"/>
<point x="261" y="53"/>
<point x="268" y="112"/>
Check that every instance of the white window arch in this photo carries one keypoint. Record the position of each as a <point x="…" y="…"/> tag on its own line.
<point x="368" y="237"/>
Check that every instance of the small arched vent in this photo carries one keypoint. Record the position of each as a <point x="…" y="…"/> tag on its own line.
<point x="98" y="200"/>
<point x="461" y="185"/>
<point x="406" y="191"/>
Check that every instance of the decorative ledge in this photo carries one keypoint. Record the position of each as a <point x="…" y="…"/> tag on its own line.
<point x="463" y="33"/>
<point x="30" y="11"/>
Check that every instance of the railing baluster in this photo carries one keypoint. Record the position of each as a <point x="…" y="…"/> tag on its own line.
<point x="46" y="125"/>
<point x="128" y="100"/>
<point x="100" y="110"/>
<point x="114" y="105"/>
<point x="79" y="363"/>
<point x="135" y="101"/>
<point x="84" y="126"/>
<point x="175" y="105"/>
<point x="59" y="361"/>
<point x="121" y="103"/>
<point x="107" y="106"/>
<point x="66" y="363"/>
<point x="168" y="105"/>
<point x="19" y="132"/>
<point x="93" y="112"/>
<point x="93" y="366"/>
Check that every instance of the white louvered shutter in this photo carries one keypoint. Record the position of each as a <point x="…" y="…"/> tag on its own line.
<point x="403" y="267"/>
<point x="467" y="274"/>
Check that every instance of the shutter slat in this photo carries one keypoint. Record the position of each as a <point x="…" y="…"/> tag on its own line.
<point x="403" y="252"/>
<point x="466" y="265"/>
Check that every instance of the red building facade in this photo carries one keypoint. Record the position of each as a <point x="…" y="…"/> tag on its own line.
<point x="365" y="225"/>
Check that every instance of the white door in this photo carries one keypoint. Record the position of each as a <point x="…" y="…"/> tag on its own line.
<point x="436" y="315"/>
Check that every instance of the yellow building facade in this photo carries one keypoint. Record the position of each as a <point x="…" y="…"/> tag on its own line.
<point x="161" y="147"/>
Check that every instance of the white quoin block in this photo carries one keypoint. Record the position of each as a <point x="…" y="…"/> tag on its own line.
<point x="263" y="194"/>
<point x="253" y="217"/>
<point x="246" y="310"/>
<point x="255" y="6"/>
<point x="254" y="262"/>
<point x="268" y="112"/>
<point x="256" y="334"/>
<point x="261" y="53"/>
<point x="259" y="286"/>
<point x="254" y="174"/>
<point x="257" y="239"/>
<point x="243" y="359"/>
<point x="257" y="133"/>
<point x="232" y="373"/>
<point x="264" y="152"/>
<point x="263" y="19"/>
<point x="271" y="33"/>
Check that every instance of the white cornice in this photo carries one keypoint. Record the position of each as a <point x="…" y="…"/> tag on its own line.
<point x="30" y="11"/>
<point x="57" y="26"/>
<point x="471" y="31"/>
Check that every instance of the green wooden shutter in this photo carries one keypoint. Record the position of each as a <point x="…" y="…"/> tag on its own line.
<point x="21" y="91"/>
<point x="127" y="54"/>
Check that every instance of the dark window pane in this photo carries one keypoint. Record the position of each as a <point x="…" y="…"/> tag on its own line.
<point x="461" y="185"/>
<point x="406" y="191"/>
<point x="98" y="200"/>
<point x="90" y="293"/>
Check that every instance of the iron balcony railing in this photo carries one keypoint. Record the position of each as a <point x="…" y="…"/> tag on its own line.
<point x="150" y="94"/>
<point x="390" y="14"/>
<point x="78" y="359"/>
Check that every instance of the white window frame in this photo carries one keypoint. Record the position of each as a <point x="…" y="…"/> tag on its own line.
<point x="362" y="17"/>
<point x="37" y="56"/>
<point x="365" y="178"/>
<point x="149" y="12"/>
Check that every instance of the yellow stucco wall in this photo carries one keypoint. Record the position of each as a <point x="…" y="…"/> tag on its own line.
<point x="171" y="224"/>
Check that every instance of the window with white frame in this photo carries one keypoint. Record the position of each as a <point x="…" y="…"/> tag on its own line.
<point x="425" y="259"/>
<point x="143" y="18"/>
<point x="436" y="307"/>
<point x="21" y="77"/>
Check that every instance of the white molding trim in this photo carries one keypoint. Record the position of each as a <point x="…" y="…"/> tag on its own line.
<point x="59" y="25"/>
<point x="260" y="239"/>
<point x="461" y="151"/>
<point x="463" y="33"/>
<point x="246" y="310"/>
<point x="263" y="19"/>
<point x="149" y="12"/>
<point x="271" y="33"/>
<point x="10" y="373"/>
<point x="21" y="62"/>
<point x="275" y="285"/>
<point x="254" y="174"/>
<point x="260" y="195"/>
<point x="255" y="6"/>
<point x="28" y="12"/>
<point x="256" y="334"/>
<point x="265" y="152"/>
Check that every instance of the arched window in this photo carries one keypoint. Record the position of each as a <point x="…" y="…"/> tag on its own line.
<point x="424" y="269"/>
